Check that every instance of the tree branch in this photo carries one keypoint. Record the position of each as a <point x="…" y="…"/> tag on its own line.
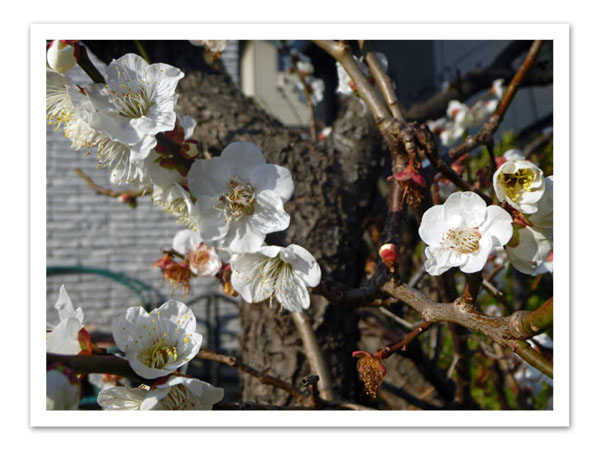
<point x="341" y="53"/>
<point x="264" y="378"/>
<point x="384" y="82"/>
<point x="129" y="194"/>
<point x="491" y="125"/>
<point x="314" y="354"/>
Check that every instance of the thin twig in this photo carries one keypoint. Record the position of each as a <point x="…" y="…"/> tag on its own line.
<point x="88" y="67"/>
<point x="537" y="144"/>
<point x="264" y="378"/>
<point x="386" y="352"/>
<point x="109" y="192"/>
<point x="314" y="354"/>
<point x="491" y="125"/>
<point x="405" y="323"/>
<point x="341" y="53"/>
<point x="384" y="82"/>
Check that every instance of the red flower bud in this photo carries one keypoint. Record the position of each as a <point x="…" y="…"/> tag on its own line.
<point x="389" y="255"/>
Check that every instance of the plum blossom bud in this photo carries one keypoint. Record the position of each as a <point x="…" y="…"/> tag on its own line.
<point x="389" y="255"/>
<point x="62" y="55"/>
<point x="190" y="149"/>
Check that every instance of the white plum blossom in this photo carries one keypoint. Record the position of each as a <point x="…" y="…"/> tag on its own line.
<point x="176" y="393"/>
<point x="239" y="198"/>
<point x="168" y="183"/>
<point x="62" y="55"/>
<point x="531" y="251"/>
<point x="345" y="83"/>
<point x="122" y="398"/>
<point x="459" y="113"/>
<point x="513" y="154"/>
<point x="203" y="260"/>
<point x="451" y="134"/>
<point x="69" y="106"/>
<point x="462" y="232"/>
<point x="137" y="102"/>
<point x="315" y="87"/>
<point x="63" y="338"/>
<point x="214" y="46"/>
<point x="63" y="390"/>
<point x="520" y="183"/>
<point x="159" y="342"/>
<point x="276" y="272"/>
<point x="498" y="88"/>
<point x="543" y="219"/>
<point x="481" y="110"/>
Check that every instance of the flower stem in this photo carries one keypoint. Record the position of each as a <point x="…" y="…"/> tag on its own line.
<point x="88" y="67"/>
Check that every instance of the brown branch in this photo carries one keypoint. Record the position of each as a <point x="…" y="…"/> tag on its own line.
<point x="507" y="331"/>
<point x="491" y="125"/>
<point x="131" y="194"/>
<point x="314" y="354"/>
<point x="341" y="53"/>
<point x="384" y="82"/>
<point x="313" y="390"/>
<point x="537" y="144"/>
<point x="533" y="358"/>
<point x="479" y="79"/>
<point x="431" y="151"/>
<point x="264" y="378"/>
<point x="386" y="352"/>
<point x="84" y="364"/>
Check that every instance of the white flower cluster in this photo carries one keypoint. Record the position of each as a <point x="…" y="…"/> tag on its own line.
<point x="460" y="117"/>
<point x="121" y="120"/>
<point x="155" y="344"/>
<point x="231" y="202"/>
<point x="306" y="80"/>
<point x="239" y="199"/>
<point x="464" y="231"/>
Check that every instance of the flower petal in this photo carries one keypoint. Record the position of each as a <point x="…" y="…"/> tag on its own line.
<point x="498" y="224"/>
<point x="303" y="264"/>
<point x="464" y="209"/>
<point x="243" y="238"/>
<point x="209" y="177"/>
<point x="242" y="158"/>
<point x="186" y="241"/>
<point x="293" y="294"/>
<point x="272" y="178"/>
<point x="120" y="398"/>
<point x="433" y="225"/>
<point x="476" y="261"/>
<point x="269" y="215"/>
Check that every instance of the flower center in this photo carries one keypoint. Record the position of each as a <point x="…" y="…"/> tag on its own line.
<point x="159" y="355"/>
<point x="178" y="398"/>
<point x="462" y="240"/>
<point x="515" y="183"/>
<point x="198" y="258"/>
<point x="274" y="275"/>
<point x="134" y="99"/>
<point x="238" y="201"/>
